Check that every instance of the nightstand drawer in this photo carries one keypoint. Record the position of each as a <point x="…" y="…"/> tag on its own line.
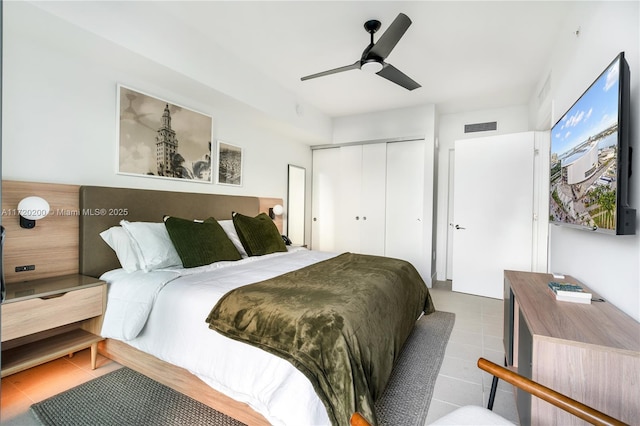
<point x="38" y="314"/>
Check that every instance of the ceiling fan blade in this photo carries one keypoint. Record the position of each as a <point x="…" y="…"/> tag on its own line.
<point x="355" y="65"/>
<point x="391" y="36"/>
<point x="394" y="75"/>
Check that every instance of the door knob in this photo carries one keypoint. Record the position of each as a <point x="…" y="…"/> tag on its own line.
<point x="459" y="227"/>
<point x="357" y="217"/>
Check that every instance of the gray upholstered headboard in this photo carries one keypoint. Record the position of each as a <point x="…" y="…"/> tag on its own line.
<point x="102" y="208"/>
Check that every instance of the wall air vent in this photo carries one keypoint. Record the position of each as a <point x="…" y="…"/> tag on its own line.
<point x="481" y="127"/>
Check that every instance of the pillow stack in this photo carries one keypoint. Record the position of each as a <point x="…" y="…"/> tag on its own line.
<point x="187" y="243"/>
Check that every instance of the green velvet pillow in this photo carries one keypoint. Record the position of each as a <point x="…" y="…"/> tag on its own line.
<point x="200" y="243"/>
<point x="258" y="235"/>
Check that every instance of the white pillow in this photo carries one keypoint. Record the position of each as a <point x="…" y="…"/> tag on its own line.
<point x="153" y="245"/>
<point x="231" y="232"/>
<point x="118" y="239"/>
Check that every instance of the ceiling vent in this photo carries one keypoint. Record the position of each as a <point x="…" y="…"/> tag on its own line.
<point x="481" y="127"/>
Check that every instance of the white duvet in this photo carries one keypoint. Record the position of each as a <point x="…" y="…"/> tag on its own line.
<point x="163" y="313"/>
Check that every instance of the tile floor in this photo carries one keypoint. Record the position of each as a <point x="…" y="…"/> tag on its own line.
<point x="477" y="332"/>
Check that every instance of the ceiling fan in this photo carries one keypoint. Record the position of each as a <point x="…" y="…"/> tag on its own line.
<point x="373" y="57"/>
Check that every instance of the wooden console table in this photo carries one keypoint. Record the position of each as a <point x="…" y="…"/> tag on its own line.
<point x="590" y="353"/>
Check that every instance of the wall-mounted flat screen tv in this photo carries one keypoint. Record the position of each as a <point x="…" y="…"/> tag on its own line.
<point x="591" y="157"/>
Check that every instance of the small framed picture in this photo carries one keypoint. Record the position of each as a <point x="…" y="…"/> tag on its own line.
<point x="229" y="164"/>
<point x="158" y="138"/>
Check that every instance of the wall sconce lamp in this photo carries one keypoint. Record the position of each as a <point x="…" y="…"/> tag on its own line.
<point x="31" y="209"/>
<point x="275" y="211"/>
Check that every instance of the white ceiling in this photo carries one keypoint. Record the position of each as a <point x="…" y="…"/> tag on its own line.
<point x="466" y="55"/>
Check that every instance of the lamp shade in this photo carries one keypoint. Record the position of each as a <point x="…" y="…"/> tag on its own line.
<point x="33" y="208"/>
<point x="278" y="209"/>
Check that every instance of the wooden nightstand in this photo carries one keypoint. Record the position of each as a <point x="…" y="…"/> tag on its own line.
<point x="49" y="318"/>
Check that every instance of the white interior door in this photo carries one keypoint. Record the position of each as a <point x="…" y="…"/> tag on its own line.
<point x="450" y="218"/>
<point x="493" y="202"/>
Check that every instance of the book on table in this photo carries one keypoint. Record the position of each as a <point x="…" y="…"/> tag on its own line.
<point x="566" y="292"/>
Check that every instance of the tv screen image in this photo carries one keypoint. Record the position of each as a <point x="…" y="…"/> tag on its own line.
<point x="589" y="157"/>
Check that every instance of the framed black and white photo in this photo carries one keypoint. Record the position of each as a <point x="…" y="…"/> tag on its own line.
<point x="229" y="164"/>
<point x="158" y="138"/>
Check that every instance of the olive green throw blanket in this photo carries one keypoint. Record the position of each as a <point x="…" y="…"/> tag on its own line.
<point x="342" y="322"/>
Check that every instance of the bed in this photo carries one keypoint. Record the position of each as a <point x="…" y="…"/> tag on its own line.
<point x="155" y="320"/>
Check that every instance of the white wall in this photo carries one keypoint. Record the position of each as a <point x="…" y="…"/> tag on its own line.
<point x="397" y="123"/>
<point x="610" y="265"/>
<point x="451" y="128"/>
<point x="59" y="111"/>
<point x="161" y="38"/>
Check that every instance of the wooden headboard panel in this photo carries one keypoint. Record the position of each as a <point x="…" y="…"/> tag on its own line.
<point x="103" y="207"/>
<point x="57" y="246"/>
<point x="52" y="246"/>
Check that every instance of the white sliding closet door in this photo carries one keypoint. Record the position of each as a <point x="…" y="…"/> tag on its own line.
<point x="373" y="191"/>
<point x="369" y="199"/>
<point x="348" y="209"/>
<point x="405" y="203"/>
<point x="361" y="206"/>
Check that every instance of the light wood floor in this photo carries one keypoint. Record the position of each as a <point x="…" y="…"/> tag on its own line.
<point x="22" y="389"/>
<point x="477" y="332"/>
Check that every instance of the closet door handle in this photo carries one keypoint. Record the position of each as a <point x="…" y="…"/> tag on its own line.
<point x="357" y="217"/>
<point x="364" y="218"/>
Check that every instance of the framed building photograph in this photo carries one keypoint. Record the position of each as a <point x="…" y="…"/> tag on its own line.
<point x="229" y="164"/>
<point x="158" y="138"/>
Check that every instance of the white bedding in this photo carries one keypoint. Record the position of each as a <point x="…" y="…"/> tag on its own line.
<point x="163" y="313"/>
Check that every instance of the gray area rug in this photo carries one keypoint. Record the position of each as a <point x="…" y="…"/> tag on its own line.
<point x="406" y="399"/>
<point x="126" y="397"/>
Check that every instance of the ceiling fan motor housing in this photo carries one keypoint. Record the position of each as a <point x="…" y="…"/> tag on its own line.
<point x="374" y="55"/>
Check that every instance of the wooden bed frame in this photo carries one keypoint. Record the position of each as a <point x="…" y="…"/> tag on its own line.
<point x="96" y="257"/>
<point x="68" y="242"/>
<point x="180" y="380"/>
